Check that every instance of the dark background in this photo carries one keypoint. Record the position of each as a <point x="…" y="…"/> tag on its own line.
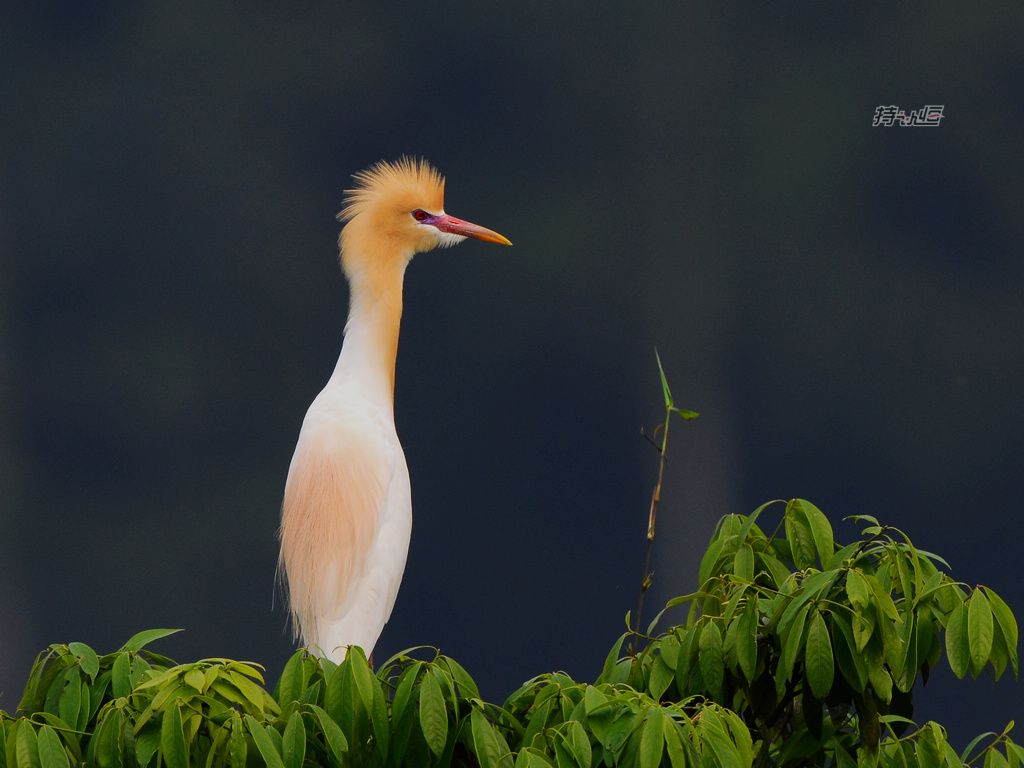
<point x="843" y="304"/>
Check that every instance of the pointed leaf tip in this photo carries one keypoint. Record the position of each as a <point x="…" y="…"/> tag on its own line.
<point x="664" y="382"/>
<point x="147" y="636"/>
<point x="688" y="415"/>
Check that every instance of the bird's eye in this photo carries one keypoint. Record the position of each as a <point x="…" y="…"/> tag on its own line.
<point x="419" y="214"/>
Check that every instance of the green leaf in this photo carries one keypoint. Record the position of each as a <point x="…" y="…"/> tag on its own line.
<point x="746" y="641"/>
<point x="1015" y="752"/>
<point x="668" y="650"/>
<point x="867" y="722"/>
<point x="255" y="695"/>
<point x="798" y="533"/>
<point x="662" y="676"/>
<point x="843" y="759"/>
<point x="908" y="584"/>
<point x="774" y="568"/>
<point x="216" y="750"/>
<point x="71" y="698"/>
<point x="611" y="661"/>
<point x="995" y="759"/>
<point x="120" y="675"/>
<point x="883" y="599"/>
<point x="172" y="739"/>
<point x="26" y="748"/>
<point x="748" y="524"/>
<point x="93" y="697"/>
<point x="929" y="749"/>
<point x="818" y="658"/>
<point x="137" y="642"/>
<point x="906" y="669"/>
<point x="836" y="563"/>
<point x="867" y="758"/>
<point x="970" y="747"/>
<point x="368" y="688"/>
<point x="490" y="748"/>
<point x="275" y="737"/>
<point x="237" y="747"/>
<point x="147" y="742"/>
<point x="3" y="740"/>
<point x="109" y="741"/>
<point x="688" y="657"/>
<point x="291" y="684"/>
<point x="881" y="682"/>
<point x="710" y="559"/>
<point x="857" y="589"/>
<point x="433" y="715"/>
<point x="243" y="667"/>
<point x="403" y="711"/>
<point x="740" y="734"/>
<point x="863" y="626"/>
<point x="196" y="679"/>
<point x="979" y="630"/>
<point x="743" y="563"/>
<point x="264" y="743"/>
<point x="51" y="751"/>
<point x="620" y="731"/>
<point x="210" y="676"/>
<point x="1000" y="653"/>
<point x="792" y="642"/>
<point x="538" y="720"/>
<point x="159" y="680"/>
<point x="821" y="530"/>
<point x="676" y="745"/>
<point x="718" y="738"/>
<point x="8" y="740"/>
<point x="87" y="658"/>
<point x="467" y="687"/>
<point x="529" y="757"/>
<point x="652" y="739"/>
<point x="593" y="700"/>
<point x="688" y="415"/>
<point x="44" y="694"/>
<point x="712" y="663"/>
<point x="333" y="734"/>
<point x="811" y="589"/>
<point x="444" y="679"/>
<point x="293" y="743"/>
<point x="338" y="698"/>
<point x="664" y="381"/>
<point x="1007" y="623"/>
<point x="44" y="690"/>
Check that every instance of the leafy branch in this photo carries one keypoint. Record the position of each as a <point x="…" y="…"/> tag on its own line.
<point x="797" y="651"/>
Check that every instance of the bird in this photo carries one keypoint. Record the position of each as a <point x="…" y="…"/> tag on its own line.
<point x="346" y="517"/>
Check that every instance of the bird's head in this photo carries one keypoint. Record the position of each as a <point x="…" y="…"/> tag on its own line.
<point x="396" y="210"/>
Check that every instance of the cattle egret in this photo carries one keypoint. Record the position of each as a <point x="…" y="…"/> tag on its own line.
<point x="347" y="512"/>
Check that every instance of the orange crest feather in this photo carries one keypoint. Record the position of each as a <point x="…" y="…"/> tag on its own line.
<point x="403" y="185"/>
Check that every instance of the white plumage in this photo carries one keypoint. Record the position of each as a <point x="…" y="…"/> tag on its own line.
<point x="346" y="519"/>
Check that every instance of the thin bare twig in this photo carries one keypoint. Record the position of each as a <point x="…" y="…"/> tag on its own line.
<point x="652" y="518"/>
<point x="655" y="497"/>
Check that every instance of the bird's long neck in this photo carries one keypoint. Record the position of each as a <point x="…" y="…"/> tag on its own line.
<point x="370" y="348"/>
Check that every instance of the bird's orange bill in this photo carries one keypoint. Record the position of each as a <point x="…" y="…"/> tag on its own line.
<point x="464" y="228"/>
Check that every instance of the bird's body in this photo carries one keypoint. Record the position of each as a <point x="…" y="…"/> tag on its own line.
<point x="346" y="519"/>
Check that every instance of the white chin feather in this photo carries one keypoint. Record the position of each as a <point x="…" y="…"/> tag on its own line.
<point x="447" y="239"/>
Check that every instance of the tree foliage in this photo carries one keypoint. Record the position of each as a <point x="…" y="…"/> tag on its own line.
<point x="794" y="651"/>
